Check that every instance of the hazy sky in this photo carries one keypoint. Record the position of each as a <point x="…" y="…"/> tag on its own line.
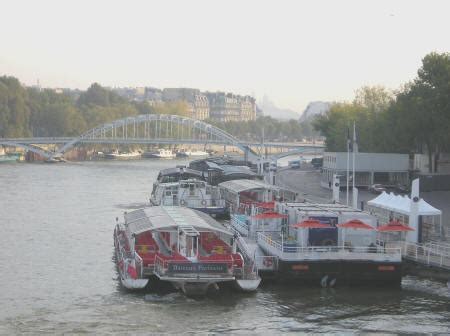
<point x="293" y="51"/>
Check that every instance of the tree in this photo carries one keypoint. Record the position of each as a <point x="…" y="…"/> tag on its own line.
<point x="14" y="111"/>
<point x="422" y="109"/>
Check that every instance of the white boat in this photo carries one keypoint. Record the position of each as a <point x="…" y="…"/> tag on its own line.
<point x="192" y="154"/>
<point x="191" y="193"/>
<point x="116" y="155"/>
<point x="305" y="242"/>
<point x="159" y="154"/>
<point x="184" y="247"/>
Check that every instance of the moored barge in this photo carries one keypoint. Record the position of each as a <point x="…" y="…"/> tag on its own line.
<point x="181" y="246"/>
<point x="304" y="242"/>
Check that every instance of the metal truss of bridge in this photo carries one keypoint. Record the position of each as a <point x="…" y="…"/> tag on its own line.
<point x="143" y="129"/>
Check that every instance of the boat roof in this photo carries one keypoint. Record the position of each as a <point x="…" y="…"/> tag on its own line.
<point x="170" y="217"/>
<point x="238" y="186"/>
<point x="322" y="208"/>
<point x="230" y="169"/>
<point x="178" y="170"/>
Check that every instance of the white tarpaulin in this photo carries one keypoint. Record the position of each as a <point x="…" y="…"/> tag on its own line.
<point x="402" y="204"/>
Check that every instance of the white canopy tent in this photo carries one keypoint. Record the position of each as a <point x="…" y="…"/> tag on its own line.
<point x="403" y="205"/>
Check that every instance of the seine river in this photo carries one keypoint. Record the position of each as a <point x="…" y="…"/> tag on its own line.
<point x="58" y="275"/>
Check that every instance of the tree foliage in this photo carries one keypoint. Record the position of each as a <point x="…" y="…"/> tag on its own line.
<point x="415" y="119"/>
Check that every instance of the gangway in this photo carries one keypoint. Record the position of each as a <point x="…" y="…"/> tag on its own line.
<point x="429" y="254"/>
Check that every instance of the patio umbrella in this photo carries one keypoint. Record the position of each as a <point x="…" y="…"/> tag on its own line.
<point x="394" y="226"/>
<point x="355" y="224"/>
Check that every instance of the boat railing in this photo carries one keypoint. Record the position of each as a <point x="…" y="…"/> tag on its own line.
<point x="139" y="264"/>
<point x="194" y="269"/>
<point x="240" y="225"/>
<point x="321" y="252"/>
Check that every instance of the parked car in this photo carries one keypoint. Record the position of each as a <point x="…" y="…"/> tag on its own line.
<point x="401" y="188"/>
<point x="294" y="164"/>
<point x="377" y="188"/>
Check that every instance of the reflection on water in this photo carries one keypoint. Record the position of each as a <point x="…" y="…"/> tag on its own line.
<point x="58" y="275"/>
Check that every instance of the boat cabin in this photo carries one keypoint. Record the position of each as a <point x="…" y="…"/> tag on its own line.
<point x="239" y="195"/>
<point x="189" y="193"/>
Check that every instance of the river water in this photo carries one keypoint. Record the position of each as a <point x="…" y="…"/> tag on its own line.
<point x="58" y="274"/>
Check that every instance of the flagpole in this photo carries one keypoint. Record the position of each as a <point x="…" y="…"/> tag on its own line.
<point x="348" y="159"/>
<point x="353" y="157"/>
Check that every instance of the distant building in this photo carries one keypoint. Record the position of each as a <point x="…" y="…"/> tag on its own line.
<point x="198" y="104"/>
<point x="153" y="96"/>
<point x="219" y="106"/>
<point x="230" y="107"/>
<point x="370" y="168"/>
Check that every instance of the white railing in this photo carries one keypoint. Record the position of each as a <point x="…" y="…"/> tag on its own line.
<point x="193" y="202"/>
<point x="288" y="251"/>
<point x="139" y="264"/>
<point x="439" y="249"/>
<point x="428" y="254"/>
<point x="239" y="225"/>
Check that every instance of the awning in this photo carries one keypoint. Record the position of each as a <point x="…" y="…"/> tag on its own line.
<point x="394" y="226"/>
<point x="355" y="224"/>
<point x="238" y="186"/>
<point x="269" y="215"/>
<point x="402" y="204"/>
<point x="311" y="224"/>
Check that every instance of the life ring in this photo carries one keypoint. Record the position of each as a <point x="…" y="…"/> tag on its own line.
<point x="203" y="202"/>
<point x="182" y="202"/>
<point x="268" y="262"/>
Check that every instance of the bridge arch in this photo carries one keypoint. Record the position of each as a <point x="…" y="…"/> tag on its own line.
<point x="157" y="121"/>
<point x="42" y="152"/>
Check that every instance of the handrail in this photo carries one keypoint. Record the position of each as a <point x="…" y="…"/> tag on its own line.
<point x="424" y="254"/>
<point x="239" y="223"/>
<point x="320" y="249"/>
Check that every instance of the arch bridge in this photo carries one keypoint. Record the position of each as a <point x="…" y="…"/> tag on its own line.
<point x="141" y="129"/>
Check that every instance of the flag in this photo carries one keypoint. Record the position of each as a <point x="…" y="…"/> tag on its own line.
<point x="355" y="141"/>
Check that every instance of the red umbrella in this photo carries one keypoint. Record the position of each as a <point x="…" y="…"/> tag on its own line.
<point x="311" y="224"/>
<point x="355" y="224"/>
<point x="269" y="215"/>
<point x="394" y="226"/>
